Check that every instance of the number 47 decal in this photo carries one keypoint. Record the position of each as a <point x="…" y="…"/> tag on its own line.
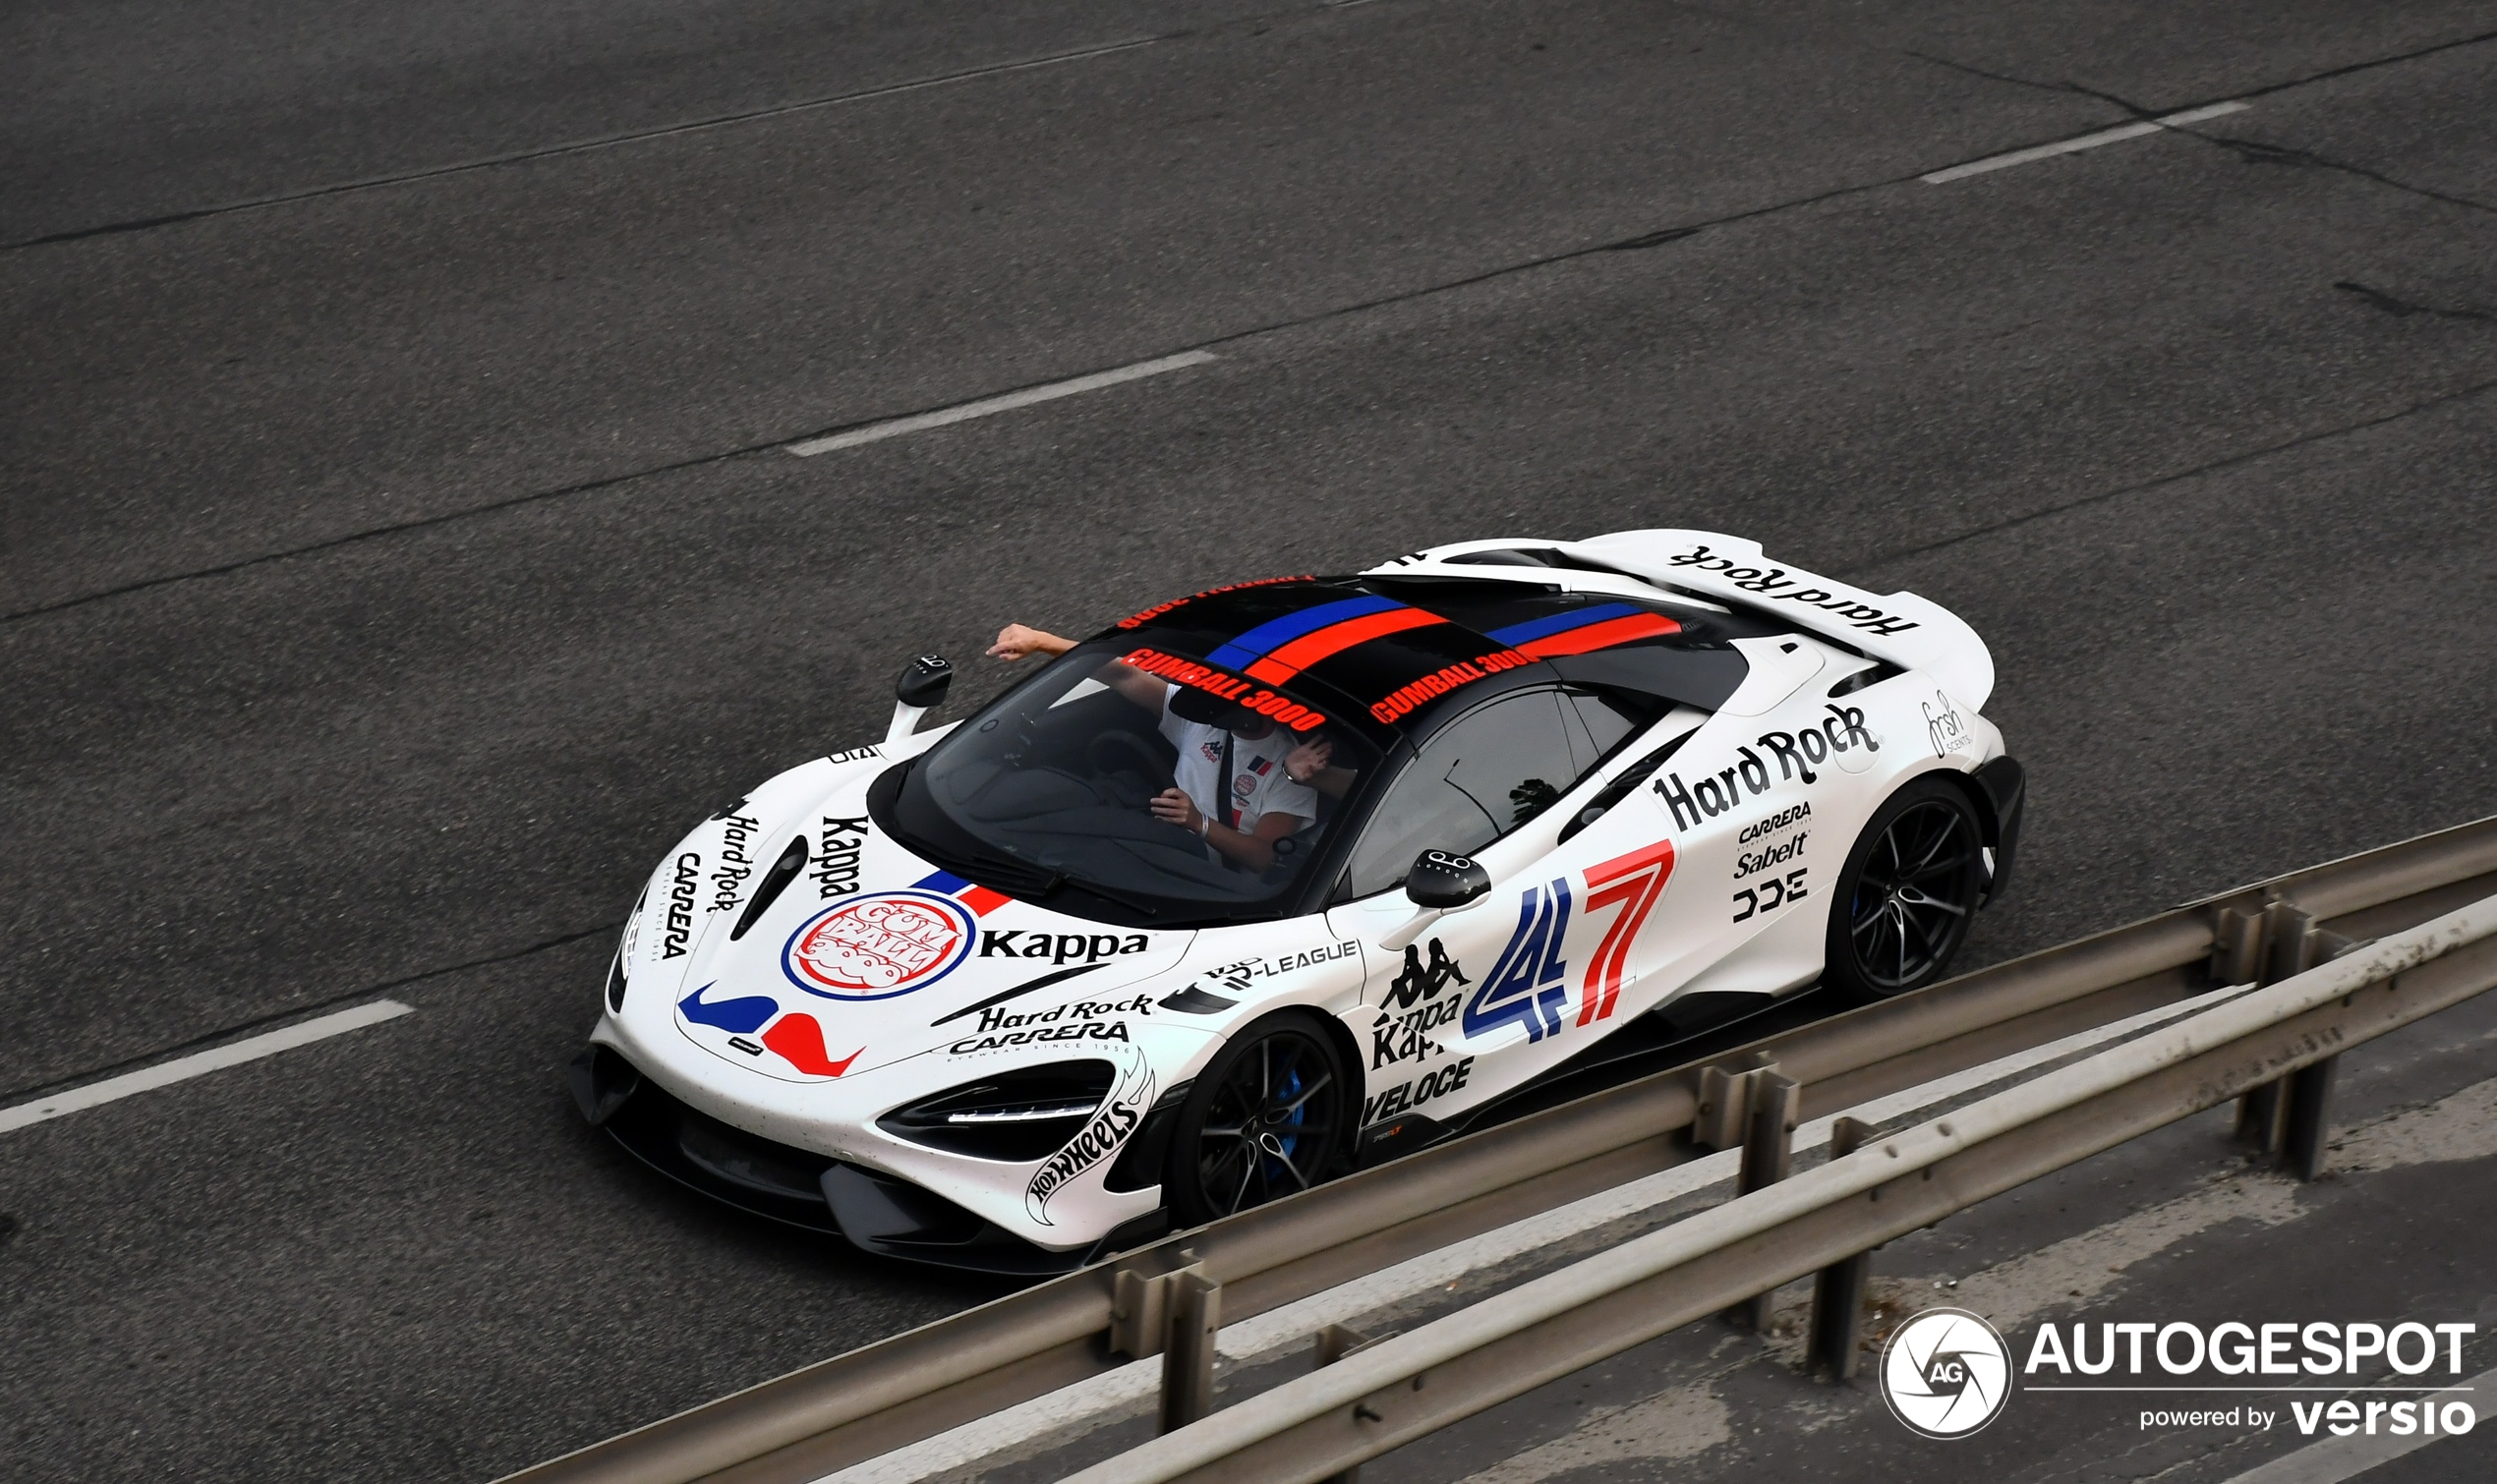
<point x="1530" y="983"/>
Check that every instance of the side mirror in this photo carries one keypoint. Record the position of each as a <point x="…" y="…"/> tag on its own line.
<point x="1444" y="882"/>
<point x="921" y="686"/>
<point x="924" y="681"/>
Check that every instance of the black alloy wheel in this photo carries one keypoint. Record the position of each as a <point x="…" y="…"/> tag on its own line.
<point x="1267" y="1119"/>
<point x="1908" y="893"/>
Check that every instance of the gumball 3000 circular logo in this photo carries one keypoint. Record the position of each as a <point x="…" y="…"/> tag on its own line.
<point x="1945" y="1373"/>
<point x="874" y="948"/>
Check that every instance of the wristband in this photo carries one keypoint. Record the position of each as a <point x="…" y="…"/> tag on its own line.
<point x="1205" y="828"/>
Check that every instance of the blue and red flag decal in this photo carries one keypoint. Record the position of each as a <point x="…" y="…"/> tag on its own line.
<point x="1582" y="630"/>
<point x="1281" y="648"/>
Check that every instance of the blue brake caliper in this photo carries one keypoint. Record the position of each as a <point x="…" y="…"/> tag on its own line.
<point x="1291" y="1088"/>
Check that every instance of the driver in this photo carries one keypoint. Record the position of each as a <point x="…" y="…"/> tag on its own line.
<point x="1242" y="784"/>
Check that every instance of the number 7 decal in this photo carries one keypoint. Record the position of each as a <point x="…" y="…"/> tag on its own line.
<point x="1634" y="882"/>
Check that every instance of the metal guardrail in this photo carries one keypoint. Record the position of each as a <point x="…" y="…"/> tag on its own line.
<point x="1390" y="1392"/>
<point x="817" y="1420"/>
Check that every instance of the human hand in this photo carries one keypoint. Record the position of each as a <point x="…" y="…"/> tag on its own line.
<point x="1305" y="762"/>
<point x="1173" y="806"/>
<point x="1015" y="641"/>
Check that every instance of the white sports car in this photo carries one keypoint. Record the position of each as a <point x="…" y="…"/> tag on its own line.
<point x="1289" y="877"/>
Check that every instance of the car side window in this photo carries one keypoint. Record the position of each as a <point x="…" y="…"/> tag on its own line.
<point x="1609" y="719"/>
<point x="1482" y="776"/>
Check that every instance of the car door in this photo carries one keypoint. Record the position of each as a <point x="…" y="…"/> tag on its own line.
<point x="1488" y="977"/>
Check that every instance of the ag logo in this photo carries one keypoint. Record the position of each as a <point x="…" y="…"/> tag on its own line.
<point x="1945" y="1373"/>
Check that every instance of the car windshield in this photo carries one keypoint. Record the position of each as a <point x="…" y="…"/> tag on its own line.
<point x="1160" y="786"/>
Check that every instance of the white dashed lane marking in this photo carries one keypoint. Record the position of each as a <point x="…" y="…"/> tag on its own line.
<point x="2085" y="142"/>
<point x="964" y="412"/>
<point x="199" y="1063"/>
<point x="1051" y="392"/>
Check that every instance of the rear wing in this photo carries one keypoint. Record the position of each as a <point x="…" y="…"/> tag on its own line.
<point x="1908" y="631"/>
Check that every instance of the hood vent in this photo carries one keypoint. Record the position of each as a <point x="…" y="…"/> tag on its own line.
<point x="775" y="882"/>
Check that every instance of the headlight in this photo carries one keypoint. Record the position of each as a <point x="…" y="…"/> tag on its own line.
<point x="622" y="969"/>
<point x="1016" y="1116"/>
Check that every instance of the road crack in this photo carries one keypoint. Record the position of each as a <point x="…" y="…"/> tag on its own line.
<point x="2257" y="152"/>
<point x="2230" y="461"/>
<point x="2404" y="309"/>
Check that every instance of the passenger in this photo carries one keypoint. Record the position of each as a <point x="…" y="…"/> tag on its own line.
<point x="1241" y="784"/>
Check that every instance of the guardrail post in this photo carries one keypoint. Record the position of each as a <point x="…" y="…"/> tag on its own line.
<point x="2281" y="944"/>
<point x="2259" y="1118"/>
<point x="2290" y="946"/>
<point x="1718" y="1122"/>
<point x="2237" y="947"/>
<point x="2307" y="1119"/>
<point x="2290" y="1116"/>
<point x="1837" y="1291"/>
<point x="1776" y="1105"/>
<point x="1333" y="1344"/>
<point x="1187" y="1352"/>
<point x="1139" y="1310"/>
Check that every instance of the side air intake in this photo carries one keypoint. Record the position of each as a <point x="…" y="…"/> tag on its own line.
<point x="775" y="882"/>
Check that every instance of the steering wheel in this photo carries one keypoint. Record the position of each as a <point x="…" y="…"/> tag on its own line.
<point x="1108" y="751"/>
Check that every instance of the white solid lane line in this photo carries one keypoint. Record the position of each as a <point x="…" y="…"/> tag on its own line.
<point x="962" y="412"/>
<point x="199" y="1063"/>
<point x="2330" y="1460"/>
<point x="2084" y="142"/>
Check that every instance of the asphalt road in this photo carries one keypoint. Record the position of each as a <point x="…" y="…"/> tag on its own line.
<point x="400" y="552"/>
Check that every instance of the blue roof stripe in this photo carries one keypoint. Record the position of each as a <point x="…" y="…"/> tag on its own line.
<point x="1274" y="633"/>
<point x="1562" y="623"/>
<point x="945" y="881"/>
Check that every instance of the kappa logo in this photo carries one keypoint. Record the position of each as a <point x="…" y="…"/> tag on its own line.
<point x="877" y="946"/>
<point x="1420" y="982"/>
<point x="836" y="869"/>
<point x="1945" y="1373"/>
<point x="1059" y="947"/>
<point x="1406" y="1036"/>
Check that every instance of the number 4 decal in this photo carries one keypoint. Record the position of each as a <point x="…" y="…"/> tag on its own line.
<point x="1528" y="984"/>
<point x="1635" y="882"/>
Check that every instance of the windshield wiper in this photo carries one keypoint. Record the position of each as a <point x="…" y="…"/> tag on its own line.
<point x="1015" y="871"/>
<point x="1132" y="903"/>
<point x="1044" y="881"/>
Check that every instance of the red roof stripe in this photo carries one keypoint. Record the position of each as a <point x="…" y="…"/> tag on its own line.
<point x="1602" y="636"/>
<point x="1310" y="648"/>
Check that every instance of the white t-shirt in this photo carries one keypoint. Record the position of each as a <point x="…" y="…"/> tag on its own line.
<point x="1258" y="784"/>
